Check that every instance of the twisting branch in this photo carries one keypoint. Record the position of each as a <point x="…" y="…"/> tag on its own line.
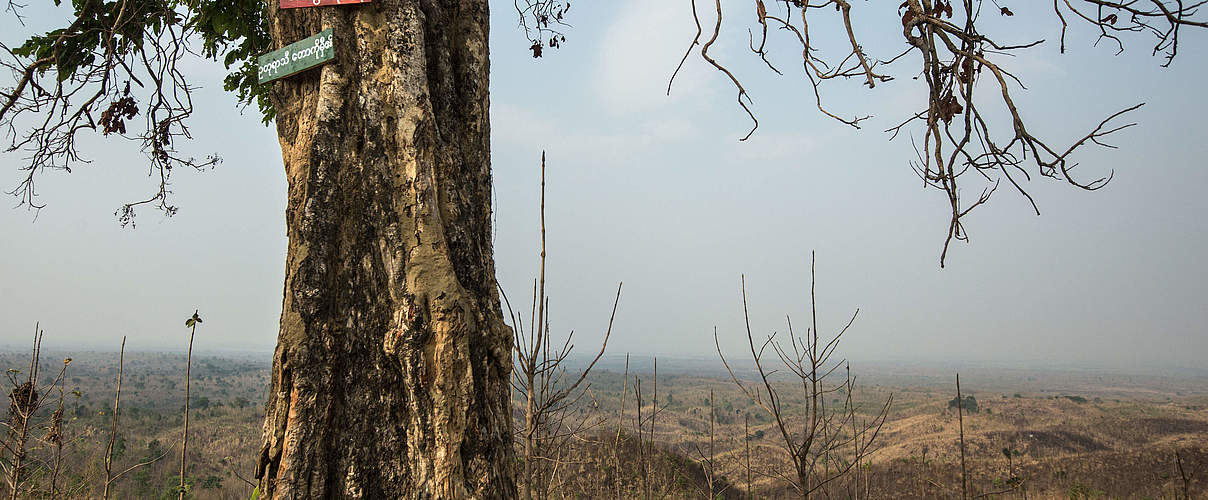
<point x="695" y="42"/>
<point x="742" y="92"/>
<point x="1160" y="18"/>
<point x="954" y="57"/>
<point x="953" y="131"/>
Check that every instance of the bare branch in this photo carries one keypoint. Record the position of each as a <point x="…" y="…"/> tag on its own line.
<point x="955" y="135"/>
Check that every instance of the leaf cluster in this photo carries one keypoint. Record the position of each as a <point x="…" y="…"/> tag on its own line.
<point x="237" y="31"/>
<point x="193" y="321"/>
<point x="233" y="32"/>
<point x="118" y="28"/>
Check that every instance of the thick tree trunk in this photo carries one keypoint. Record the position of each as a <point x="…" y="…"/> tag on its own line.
<point x="390" y="378"/>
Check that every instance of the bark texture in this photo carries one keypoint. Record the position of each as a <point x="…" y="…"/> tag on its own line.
<point x="391" y="369"/>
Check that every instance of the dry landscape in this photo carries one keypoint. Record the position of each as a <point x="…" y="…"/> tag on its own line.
<point x="1036" y="433"/>
<point x="375" y="195"/>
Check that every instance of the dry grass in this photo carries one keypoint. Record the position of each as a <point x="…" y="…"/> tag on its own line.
<point x="1060" y="447"/>
<point x="1119" y="443"/>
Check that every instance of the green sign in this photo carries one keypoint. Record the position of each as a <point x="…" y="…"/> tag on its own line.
<point x="296" y="57"/>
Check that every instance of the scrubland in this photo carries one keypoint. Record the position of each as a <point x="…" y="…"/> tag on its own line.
<point x="1035" y="434"/>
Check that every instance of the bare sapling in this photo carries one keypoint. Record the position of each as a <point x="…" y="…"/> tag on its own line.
<point x="960" y="418"/>
<point x="708" y="457"/>
<point x="191" y="324"/>
<point x="110" y="477"/>
<point x="27" y="400"/>
<point x="649" y="453"/>
<point x="1184" y="475"/>
<point x="643" y="467"/>
<point x="746" y="430"/>
<point x="616" y="444"/>
<point x="816" y="438"/>
<point x="541" y="377"/>
<point x="117" y="397"/>
<point x="24" y="403"/>
<point x="54" y="433"/>
<point x="644" y="425"/>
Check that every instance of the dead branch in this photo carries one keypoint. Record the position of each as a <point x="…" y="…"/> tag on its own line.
<point x="957" y="127"/>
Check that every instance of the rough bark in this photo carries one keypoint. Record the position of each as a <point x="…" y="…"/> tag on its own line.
<point x="391" y="369"/>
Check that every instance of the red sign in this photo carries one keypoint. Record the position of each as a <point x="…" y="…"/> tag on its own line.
<point x="290" y="4"/>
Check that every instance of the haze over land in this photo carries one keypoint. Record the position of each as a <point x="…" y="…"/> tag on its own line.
<point x="1070" y="431"/>
<point x="658" y="192"/>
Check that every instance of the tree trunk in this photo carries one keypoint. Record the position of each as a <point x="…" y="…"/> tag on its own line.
<point x="390" y="377"/>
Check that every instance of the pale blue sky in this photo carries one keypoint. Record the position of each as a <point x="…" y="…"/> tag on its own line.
<point x="657" y="191"/>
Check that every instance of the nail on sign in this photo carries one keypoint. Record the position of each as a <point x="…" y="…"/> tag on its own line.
<point x="296" y="57"/>
<point x="290" y="4"/>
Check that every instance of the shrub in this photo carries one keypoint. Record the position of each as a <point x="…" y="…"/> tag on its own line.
<point x="969" y="405"/>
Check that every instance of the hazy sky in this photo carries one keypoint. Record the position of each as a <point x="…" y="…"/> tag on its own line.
<point x="657" y="191"/>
